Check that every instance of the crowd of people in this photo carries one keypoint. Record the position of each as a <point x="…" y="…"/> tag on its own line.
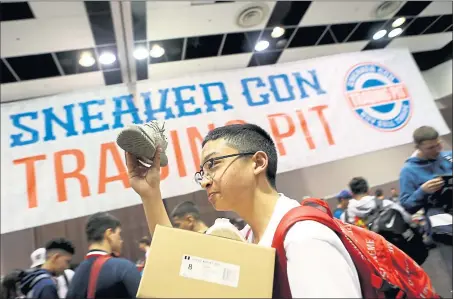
<point x="238" y="172"/>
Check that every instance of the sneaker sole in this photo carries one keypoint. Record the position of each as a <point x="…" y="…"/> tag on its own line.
<point x="136" y="141"/>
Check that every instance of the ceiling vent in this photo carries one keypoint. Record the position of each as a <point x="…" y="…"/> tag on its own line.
<point x="387" y="9"/>
<point x="252" y="15"/>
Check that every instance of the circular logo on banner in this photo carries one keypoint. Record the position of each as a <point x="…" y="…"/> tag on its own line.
<point x="378" y="97"/>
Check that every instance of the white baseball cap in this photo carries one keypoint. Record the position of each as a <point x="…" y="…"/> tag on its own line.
<point x="38" y="257"/>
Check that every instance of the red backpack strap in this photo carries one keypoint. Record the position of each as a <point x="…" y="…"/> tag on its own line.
<point x="94" y="274"/>
<point x="318" y="210"/>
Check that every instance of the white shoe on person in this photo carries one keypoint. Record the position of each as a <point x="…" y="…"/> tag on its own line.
<point x="143" y="140"/>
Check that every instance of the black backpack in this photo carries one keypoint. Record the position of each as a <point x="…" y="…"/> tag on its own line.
<point x="390" y="224"/>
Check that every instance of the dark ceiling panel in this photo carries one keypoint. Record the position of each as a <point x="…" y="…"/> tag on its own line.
<point x="7" y="76"/>
<point x="34" y="66"/>
<point x="440" y="25"/>
<point x="418" y="25"/>
<point x="288" y="13"/>
<point x="101" y="23"/>
<point x="307" y="36"/>
<point x="173" y="50"/>
<point x="326" y="39"/>
<point x="139" y="19"/>
<point x="69" y="61"/>
<point x="142" y="64"/>
<point x="236" y="43"/>
<point x="203" y="46"/>
<point x="366" y="30"/>
<point x="112" y="77"/>
<point x="412" y="8"/>
<point x="429" y="59"/>
<point x="277" y="43"/>
<point x="342" y="31"/>
<point x="14" y="11"/>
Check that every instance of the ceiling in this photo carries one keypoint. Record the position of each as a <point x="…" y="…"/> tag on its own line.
<point x="41" y="42"/>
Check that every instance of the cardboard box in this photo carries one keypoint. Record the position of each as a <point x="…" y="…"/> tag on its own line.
<point x="184" y="264"/>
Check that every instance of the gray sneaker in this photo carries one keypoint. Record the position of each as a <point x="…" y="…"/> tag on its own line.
<point x="142" y="141"/>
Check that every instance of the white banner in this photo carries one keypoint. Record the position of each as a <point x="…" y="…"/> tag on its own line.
<point x="59" y="159"/>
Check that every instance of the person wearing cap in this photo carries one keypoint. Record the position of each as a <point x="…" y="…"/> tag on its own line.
<point x="343" y="198"/>
<point x="47" y="263"/>
<point x="38" y="258"/>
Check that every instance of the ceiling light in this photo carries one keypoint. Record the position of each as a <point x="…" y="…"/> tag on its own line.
<point x="140" y="53"/>
<point x="86" y="59"/>
<point x="379" y="34"/>
<point x="277" y="32"/>
<point x="107" y="58"/>
<point x="395" y="32"/>
<point x="397" y="22"/>
<point x="157" y="51"/>
<point x="262" y="45"/>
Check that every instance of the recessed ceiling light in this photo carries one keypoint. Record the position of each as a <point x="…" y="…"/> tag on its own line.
<point x="140" y="53"/>
<point x="397" y="22"/>
<point x="395" y="32"/>
<point x="379" y="34"/>
<point x="86" y="59"/>
<point x="262" y="45"/>
<point x="277" y="32"/>
<point x="107" y="58"/>
<point x="157" y="51"/>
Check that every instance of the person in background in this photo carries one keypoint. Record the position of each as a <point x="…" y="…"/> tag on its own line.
<point x="238" y="172"/>
<point x="186" y="216"/>
<point x="118" y="277"/>
<point x="422" y="187"/>
<point x="9" y="285"/>
<point x="394" y="195"/>
<point x="38" y="258"/>
<point x="144" y="245"/>
<point x="379" y="194"/>
<point x="362" y="205"/>
<point x="39" y="281"/>
<point x="343" y="198"/>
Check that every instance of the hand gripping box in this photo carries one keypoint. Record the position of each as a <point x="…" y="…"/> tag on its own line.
<point x="184" y="264"/>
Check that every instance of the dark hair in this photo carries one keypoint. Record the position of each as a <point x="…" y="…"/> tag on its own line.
<point x="97" y="225"/>
<point x="185" y="208"/>
<point x="424" y="133"/>
<point x="378" y="192"/>
<point x="145" y="240"/>
<point x="248" y="138"/>
<point x="358" y="185"/>
<point x="60" y="244"/>
<point x="9" y="284"/>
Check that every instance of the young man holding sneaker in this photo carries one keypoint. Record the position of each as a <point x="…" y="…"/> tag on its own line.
<point x="238" y="172"/>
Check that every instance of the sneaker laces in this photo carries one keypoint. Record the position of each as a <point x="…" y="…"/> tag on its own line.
<point x="155" y="126"/>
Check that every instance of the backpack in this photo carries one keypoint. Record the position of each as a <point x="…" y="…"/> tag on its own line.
<point x="365" y="222"/>
<point x="94" y="274"/>
<point x="384" y="270"/>
<point x="390" y="224"/>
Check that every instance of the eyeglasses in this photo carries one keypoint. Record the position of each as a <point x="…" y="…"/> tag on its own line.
<point x="208" y="165"/>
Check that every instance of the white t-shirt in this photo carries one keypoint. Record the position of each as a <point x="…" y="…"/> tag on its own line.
<point x="62" y="287"/>
<point x="318" y="265"/>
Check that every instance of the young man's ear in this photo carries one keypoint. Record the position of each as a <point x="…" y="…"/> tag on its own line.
<point x="189" y="218"/>
<point x="261" y="162"/>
